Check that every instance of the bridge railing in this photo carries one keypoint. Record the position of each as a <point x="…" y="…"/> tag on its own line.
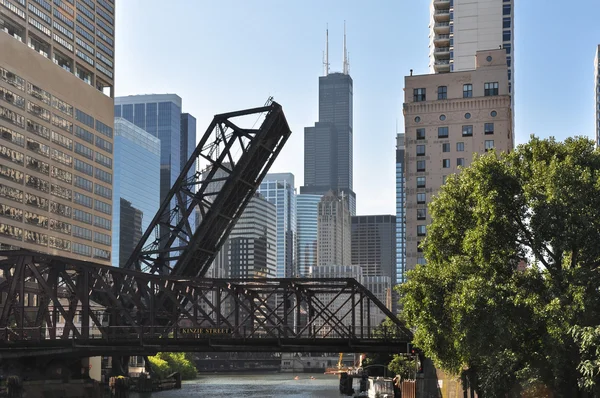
<point x="141" y="333"/>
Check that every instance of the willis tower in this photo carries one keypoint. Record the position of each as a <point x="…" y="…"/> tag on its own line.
<point x="328" y="144"/>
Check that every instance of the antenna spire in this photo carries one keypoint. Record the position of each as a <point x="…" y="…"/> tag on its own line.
<point x="326" y="55"/>
<point x="346" y="63"/>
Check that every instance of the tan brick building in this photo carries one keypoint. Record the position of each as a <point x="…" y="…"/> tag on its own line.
<point x="56" y="126"/>
<point x="449" y="117"/>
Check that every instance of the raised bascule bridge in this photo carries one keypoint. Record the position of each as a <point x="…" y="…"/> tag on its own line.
<point x="55" y="308"/>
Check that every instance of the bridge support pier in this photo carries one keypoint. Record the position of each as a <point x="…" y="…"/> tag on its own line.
<point x="120" y="366"/>
<point x="14" y="387"/>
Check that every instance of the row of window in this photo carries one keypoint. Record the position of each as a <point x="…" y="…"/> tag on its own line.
<point x="490" y="89"/>
<point x="467" y="131"/>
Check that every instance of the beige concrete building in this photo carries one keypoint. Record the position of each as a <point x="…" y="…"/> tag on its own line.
<point x="334" y="231"/>
<point x="56" y="126"/>
<point x="449" y="117"/>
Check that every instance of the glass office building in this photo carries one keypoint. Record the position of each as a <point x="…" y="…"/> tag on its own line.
<point x="187" y="141"/>
<point x="136" y="187"/>
<point x="278" y="188"/>
<point x="307" y="215"/>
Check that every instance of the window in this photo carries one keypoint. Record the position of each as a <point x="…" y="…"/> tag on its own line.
<point x="493" y="113"/>
<point x="83" y="233"/>
<point x="467" y="90"/>
<point x="102" y="223"/>
<point x="60" y="244"/>
<point x="36" y="201"/>
<point x="420" y="182"/>
<point x="467" y="115"/>
<point x="101" y="238"/>
<point x="60" y="209"/>
<point x="60" y="226"/>
<point x="442" y="132"/>
<point x="490" y="89"/>
<point x="442" y="92"/>
<point x="84" y="167"/>
<point x="104" y="145"/>
<point x="488" y="128"/>
<point x="446" y="163"/>
<point x="420" y="198"/>
<point x="61" y="192"/>
<point x="420" y="134"/>
<point x="61" y="157"/>
<point x="444" y="179"/>
<point x="81" y="249"/>
<point x="61" y="140"/>
<point x="103" y="160"/>
<point x="103" y="191"/>
<point x="83" y="183"/>
<point x="421" y="214"/>
<point x="419" y="95"/>
<point x="37" y="165"/>
<point x="37" y="183"/>
<point x="506" y="9"/>
<point x="84" y="151"/>
<point x="460" y="147"/>
<point x="102" y="207"/>
<point x="421" y="230"/>
<point x="506" y="35"/>
<point x="84" y="118"/>
<point x="103" y="176"/>
<point x="489" y="145"/>
<point x="420" y="165"/>
<point x="446" y="147"/>
<point x="84" y="134"/>
<point x="103" y="254"/>
<point x="420" y="150"/>
<point x="419" y="248"/>
<point x="82" y="216"/>
<point x="460" y="161"/>
<point x="508" y="48"/>
<point x="104" y="129"/>
<point x="82" y="199"/>
<point x="421" y="260"/>
<point x="467" y="131"/>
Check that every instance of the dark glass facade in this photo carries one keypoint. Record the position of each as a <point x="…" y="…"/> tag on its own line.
<point x="400" y="211"/>
<point x="328" y="152"/>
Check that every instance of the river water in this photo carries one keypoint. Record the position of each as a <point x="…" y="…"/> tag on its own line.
<point x="263" y="385"/>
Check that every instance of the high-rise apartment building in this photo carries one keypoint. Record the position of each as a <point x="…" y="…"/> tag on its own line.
<point x="307" y="215"/>
<point x="56" y="127"/>
<point x="597" y="93"/>
<point x="278" y="188"/>
<point x="250" y="251"/>
<point x="334" y="234"/>
<point x="136" y="189"/>
<point x="449" y="117"/>
<point x="400" y="210"/>
<point x="328" y="150"/>
<point x="460" y="28"/>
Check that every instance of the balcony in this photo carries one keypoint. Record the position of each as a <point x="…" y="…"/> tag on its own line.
<point x="441" y="53"/>
<point x="441" y="15"/>
<point x="441" y="40"/>
<point x="442" y="28"/>
<point x="441" y="65"/>
<point x="439" y="4"/>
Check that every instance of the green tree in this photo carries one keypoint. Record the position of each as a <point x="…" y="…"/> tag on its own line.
<point x="504" y="328"/>
<point x="166" y="363"/>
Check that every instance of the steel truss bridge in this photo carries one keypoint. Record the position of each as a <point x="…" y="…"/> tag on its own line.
<point x="59" y="306"/>
<point x="160" y="299"/>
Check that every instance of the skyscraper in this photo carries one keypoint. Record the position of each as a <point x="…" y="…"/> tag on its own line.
<point x="188" y="141"/>
<point x="278" y="188"/>
<point x="374" y="245"/>
<point x="250" y="251"/>
<point x="334" y="231"/>
<point x="328" y="151"/>
<point x="160" y="116"/>
<point x="56" y="127"/>
<point x="449" y="117"/>
<point x="400" y="210"/>
<point x="460" y="28"/>
<point x="136" y="190"/>
<point x="597" y="93"/>
<point x="307" y="215"/>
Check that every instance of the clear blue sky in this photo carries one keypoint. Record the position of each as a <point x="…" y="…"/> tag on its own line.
<point x="226" y="55"/>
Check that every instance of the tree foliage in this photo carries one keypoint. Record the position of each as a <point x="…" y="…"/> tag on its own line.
<point x="166" y="363"/>
<point x="505" y="328"/>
